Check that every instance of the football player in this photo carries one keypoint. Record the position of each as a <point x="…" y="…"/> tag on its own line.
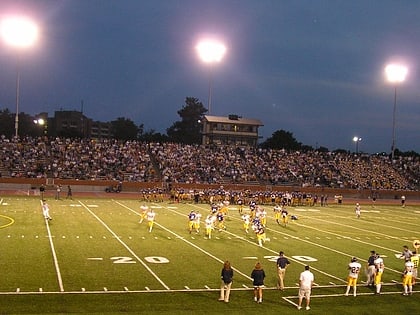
<point x="354" y="269"/>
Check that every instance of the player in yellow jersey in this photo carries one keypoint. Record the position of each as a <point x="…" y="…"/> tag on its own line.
<point x="277" y="213"/>
<point x="415" y="260"/>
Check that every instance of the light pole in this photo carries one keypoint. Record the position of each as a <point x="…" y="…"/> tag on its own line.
<point x="210" y="51"/>
<point x="21" y="33"/>
<point x="357" y="140"/>
<point x="395" y="74"/>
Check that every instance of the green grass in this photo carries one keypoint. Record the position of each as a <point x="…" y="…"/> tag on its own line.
<point x="98" y="259"/>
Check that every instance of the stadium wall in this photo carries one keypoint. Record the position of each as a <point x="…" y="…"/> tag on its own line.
<point x="30" y="186"/>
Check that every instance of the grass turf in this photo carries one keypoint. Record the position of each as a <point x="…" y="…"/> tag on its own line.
<point x="97" y="259"/>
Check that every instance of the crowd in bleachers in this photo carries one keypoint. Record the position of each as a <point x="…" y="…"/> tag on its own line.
<point x="179" y="163"/>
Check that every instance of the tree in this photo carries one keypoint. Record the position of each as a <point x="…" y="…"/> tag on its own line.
<point x="188" y="130"/>
<point x="6" y="123"/>
<point x="153" y="136"/>
<point x="281" y="139"/>
<point x="125" y="129"/>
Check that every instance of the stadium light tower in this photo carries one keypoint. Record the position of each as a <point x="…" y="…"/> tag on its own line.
<point x="396" y="74"/>
<point x="357" y="140"/>
<point x="21" y="33"/>
<point x="210" y="51"/>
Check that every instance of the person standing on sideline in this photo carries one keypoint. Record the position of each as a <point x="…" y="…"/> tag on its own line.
<point x="403" y="201"/>
<point x="69" y="193"/>
<point x="227" y="278"/>
<point x="354" y="269"/>
<point x="370" y="272"/>
<point x="46" y="210"/>
<point x="306" y="281"/>
<point x="42" y="191"/>
<point x="379" y="266"/>
<point x="357" y="210"/>
<point x="282" y="263"/>
<point x="57" y="192"/>
<point x="258" y="276"/>
<point x="408" y="278"/>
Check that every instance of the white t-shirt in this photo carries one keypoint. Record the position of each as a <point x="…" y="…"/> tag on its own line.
<point x="306" y="278"/>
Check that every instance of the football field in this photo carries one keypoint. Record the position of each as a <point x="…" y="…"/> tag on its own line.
<point x="94" y="257"/>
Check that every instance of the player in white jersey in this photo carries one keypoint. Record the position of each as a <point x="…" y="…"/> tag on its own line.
<point x="209" y="223"/>
<point x="357" y="210"/>
<point x="354" y="269"/>
<point x="408" y="278"/>
<point x="144" y="209"/>
<point x="197" y="221"/>
<point x="246" y="218"/>
<point x="46" y="210"/>
<point x="379" y="270"/>
<point x="151" y="219"/>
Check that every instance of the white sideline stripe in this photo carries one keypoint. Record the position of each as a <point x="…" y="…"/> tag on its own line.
<point x="245" y="288"/>
<point x="126" y="246"/>
<point x="57" y="267"/>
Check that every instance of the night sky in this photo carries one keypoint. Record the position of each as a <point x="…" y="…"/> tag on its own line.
<point x="314" y="68"/>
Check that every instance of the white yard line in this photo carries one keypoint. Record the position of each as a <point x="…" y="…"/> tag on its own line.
<point x="126" y="246"/>
<point x="57" y="267"/>
<point x="185" y="240"/>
